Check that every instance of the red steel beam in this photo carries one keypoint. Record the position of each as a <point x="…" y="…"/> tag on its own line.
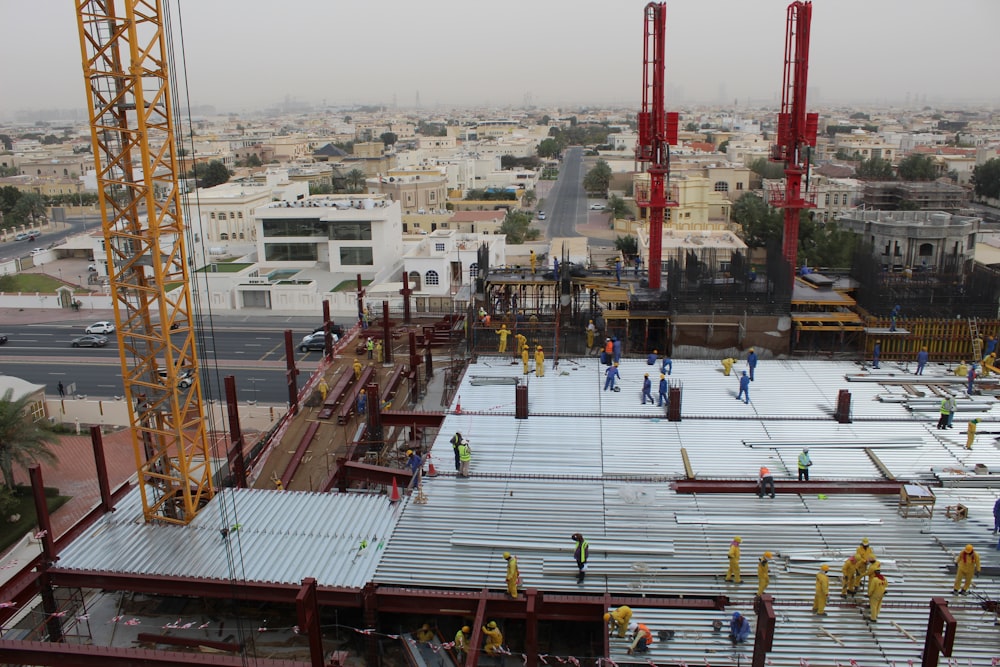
<point x="872" y="487"/>
<point x="187" y="642"/>
<point x="410" y="418"/>
<point x="80" y="655"/>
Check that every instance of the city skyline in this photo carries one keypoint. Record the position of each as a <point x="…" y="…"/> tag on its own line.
<point x="553" y="54"/>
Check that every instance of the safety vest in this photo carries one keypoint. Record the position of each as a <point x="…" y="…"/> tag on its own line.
<point x="581" y="550"/>
<point x="464" y="452"/>
<point x="609" y="347"/>
<point x="764" y="472"/>
<point x="804" y="461"/>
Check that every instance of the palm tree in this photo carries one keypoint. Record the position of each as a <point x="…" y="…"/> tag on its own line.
<point x="22" y="441"/>
<point x="355" y="179"/>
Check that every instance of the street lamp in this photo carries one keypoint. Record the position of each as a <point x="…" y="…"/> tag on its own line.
<point x="253" y="389"/>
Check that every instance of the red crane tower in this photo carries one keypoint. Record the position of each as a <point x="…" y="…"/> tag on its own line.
<point x="657" y="130"/>
<point x="796" y="128"/>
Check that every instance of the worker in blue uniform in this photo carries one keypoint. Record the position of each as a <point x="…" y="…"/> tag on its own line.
<point x="971" y="377"/>
<point x="651" y="359"/>
<point x="744" y="388"/>
<point x="611" y="373"/>
<point x="647" y="389"/>
<point x="876" y="353"/>
<point x="664" y="398"/>
<point x="752" y="362"/>
<point x="739" y="628"/>
<point x="922" y="357"/>
<point x="667" y="366"/>
<point x="616" y="348"/>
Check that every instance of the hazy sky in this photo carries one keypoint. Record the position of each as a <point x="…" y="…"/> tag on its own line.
<point x="244" y="54"/>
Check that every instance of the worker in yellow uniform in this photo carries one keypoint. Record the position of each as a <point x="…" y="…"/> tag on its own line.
<point x="462" y="643"/>
<point x="621" y="617"/>
<point x="864" y="552"/>
<point x="591" y="330"/>
<point x="533" y="260"/>
<point x="848" y="571"/>
<point x="539" y="362"/>
<point x="522" y="342"/>
<point x="727" y="366"/>
<point x="513" y="574"/>
<point x="324" y="389"/>
<point x="503" y="332"/>
<point x="822" y="590"/>
<point x="968" y="564"/>
<point x="961" y="370"/>
<point x="989" y="362"/>
<point x="424" y="634"/>
<point x="877" y="592"/>
<point x="357" y="369"/>
<point x="763" y="573"/>
<point x="524" y="358"/>
<point x="873" y="566"/>
<point x="733" y="573"/>
<point x="970" y="438"/>
<point x="378" y="351"/>
<point x="493" y="636"/>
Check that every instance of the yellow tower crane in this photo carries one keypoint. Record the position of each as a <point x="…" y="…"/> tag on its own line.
<point x="125" y="57"/>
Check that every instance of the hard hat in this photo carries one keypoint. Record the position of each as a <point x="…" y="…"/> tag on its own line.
<point x="737" y="539"/>
<point x="616" y="363"/>
<point x="824" y="567"/>
<point x="409" y="452"/>
<point x="425" y="626"/>
<point x="492" y="625"/>
<point x="767" y="554"/>
<point x="805" y="449"/>
<point x="539" y="347"/>
<point x="576" y="536"/>
<point x="362" y="391"/>
<point x="633" y="626"/>
<point x="607" y="617"/>
<point x="968" y="548"/>
<point x="506" y="554"/>
<point x="646" y="375"/>
<point x="466" y="629"/>
<point x="737" y="614"/>
<point x="751" y="349"/>
<point x="655" y="351"/>
<point x="662" y="376"/>
<point x="465" y="441"/>
<point x="744" y="372"/>
<point x="852" y="559"/>
<point x="975" y="421"/>
<point x="877" y="565"/>
<point x="864" y="540"/>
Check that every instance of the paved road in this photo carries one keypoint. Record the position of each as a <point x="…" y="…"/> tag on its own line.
<point x="567" y="205"/>
<point x="57" y="232"/>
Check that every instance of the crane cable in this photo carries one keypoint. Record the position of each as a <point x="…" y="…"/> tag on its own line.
<point x="225" y="502"/>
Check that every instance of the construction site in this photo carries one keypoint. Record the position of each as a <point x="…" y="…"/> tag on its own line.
<point x="431" y="475"/>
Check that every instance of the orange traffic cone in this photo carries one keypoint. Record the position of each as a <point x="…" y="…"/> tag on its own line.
<point x="431" y="472"/>
<point x="458" y="406"/>
<point x="394" y="498"/>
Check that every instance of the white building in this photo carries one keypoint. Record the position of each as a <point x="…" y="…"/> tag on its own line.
<point x="227" y="210"/>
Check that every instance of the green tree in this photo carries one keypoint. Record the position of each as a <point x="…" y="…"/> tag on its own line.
<point x="618" y="207"/>
<point x="627" y="245"/>
<point x="548" y="148"/>
<point x="8" y="143"/>
<point x="29" y="208"/>
<point x="8" y="171"/>
<point x="22" y="441"/>
<point x="917" y="167"/>
<point x="320" y="189"/>
<point x="598" y="179"/>
<point x="761" y="224"/>
<point x="355" y="180"/>
<point x="723" y="146"/>
<point x="986" y="179"/>
<point x="824" y="244"/>
<point x="546" y="119"/>
<point x="253" y="160"/>
<point x="389" y="138"/>
<point x="211" y="174"/>
<point x="876" y="169"/>
<point x="692" y="127"/>
<point x="767" y="169"/>
<point x="517" y="226"/>
<point x="529" y="197"/>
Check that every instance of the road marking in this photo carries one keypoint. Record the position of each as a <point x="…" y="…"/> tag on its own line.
<point x="51" y="373"/>
<point x="252" y="345"/>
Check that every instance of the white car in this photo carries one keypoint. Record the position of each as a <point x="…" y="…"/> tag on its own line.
<point x="101" y="328"/>
<point x="597" y="207"/>
<point x="37" y="251"/>
<point x="185" y="377"/>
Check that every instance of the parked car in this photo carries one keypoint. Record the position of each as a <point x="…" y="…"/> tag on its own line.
<point x="36" y="251"/>
<point x="185" y="377"/>
<point x="335" y="329"/>
<point x="314" y="341"/>
<point x="597" y="207"/>
<point x="92" y="267"/>
<point x="22" y="237"/>
<point x="101" y="328"/>
<point x="3" y="339"/>
<point x="90" y="341"/>
<point x="541" y="215"/>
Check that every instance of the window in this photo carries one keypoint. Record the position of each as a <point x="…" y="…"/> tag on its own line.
<point x="414" y="281"/>
<point x="826" y="199"/>
<point x="351" y="231"/>
<point x="739" y="185"/>
<point x="439" y="247"/>
<point x="431" y="278"/>
<point x="241" y="236"/>
<point x="212" y="215"/>
<point x="404" y="227"/>
<point x="473" y="270"/>
<point x="836" y="200"/>
<point x="223" y="236"/>
<point x="290" y="252"/>
<point x="721" y="186"/>
<point x="239" y="215"/>
<point x="222" y="216"/>
<point x="926" y="250"/>
<point x="360" y="255"/>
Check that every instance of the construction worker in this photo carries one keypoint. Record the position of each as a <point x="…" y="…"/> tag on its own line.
<point x="989" y="361"/>
<point x="752" y="362"/>
<point x="961" y="370"/>
<point x="424" y="634"/>
<point x="651" y="358"/>
<point x="739" y="628"/>
<point x="370" y="347"/>
<point x="465" y="459"/>
<point x="667" y="366"/>
<point x="413" y="461"/>
<point x="733" y="573"/>
<point x="621" y="617"/>
<point x="591" y="331"/>
<point x="765" y="483"/>
<point x="378" y="351"/>
<point x="324" y="389"/>
<point x="971" y="377"/>
<point x="611" y="373"/>
<point x="647" y="389"/>
<point x="503" y="332"/>
<point x="968" y="565"/>
<point x="539" y="362"/>
<point x="455" y="441"/>
<point x="876" y="353"/>
<point x="973" y="425"/>
<point x="493" y="636"/>
<point x="991" y="345"/>
<point x="847" y="571"/>
<point x="580" y="554"/>
<point x="862" y="555"/>
<point x="522" y="342"/>
<point x="357" y="369"/>
<point x="822" y="590"/>
<point x="922" y="357"/>
<point x="462" y="643"/>
<point x="642" y="638"/>
<point x="727" y="365"/>
<point x="533" y="260"/>
<point x="664" y="397"/>
<point x="616" y="347"/>
<point x="875" y="594"/>
<point x="609" y="352"/>
<point x="513" y="574"/>
<point x="874" y="565"/>
<point x="362" y="403"/>
<point x="804" y="464"/>
<point x="744" y="388"/>
<point x="943" y="410"/>
<point x="952" y="409"/>
<point x="763" y="573"/>
<point x="524" y="358"/>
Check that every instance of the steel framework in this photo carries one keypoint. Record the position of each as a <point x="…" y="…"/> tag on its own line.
<point x="657" y="130"/>
<point x="796" y="128"/>
<point x="125" y="57"/>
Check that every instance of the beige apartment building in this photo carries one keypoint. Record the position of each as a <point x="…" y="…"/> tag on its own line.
<point x="417" y="191"/>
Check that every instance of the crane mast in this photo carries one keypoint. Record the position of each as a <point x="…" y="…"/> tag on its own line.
<point x="125" y="66"/>
<point x="796" y="128"/>
<point x="657" y="130"/>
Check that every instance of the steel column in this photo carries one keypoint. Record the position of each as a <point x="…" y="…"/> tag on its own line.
<point x="52" y="623"/>
<point x="941" y="628"/>
<point x="101" y="463"/>
<point x="290" y="373"/>
<point x="237" y="467"/>
<point x="406" y="292"/>
<point x="308" y="615"/>
<point x="386" y="334"/>
<point x="763" y="640"/>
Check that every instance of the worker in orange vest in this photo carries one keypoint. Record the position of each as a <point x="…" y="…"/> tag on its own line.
<point x="766" y="483"/>
<point x="642" y="638"/>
